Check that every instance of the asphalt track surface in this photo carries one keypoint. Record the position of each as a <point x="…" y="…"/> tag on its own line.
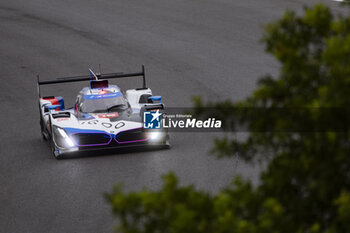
<point x="189" y="47"/>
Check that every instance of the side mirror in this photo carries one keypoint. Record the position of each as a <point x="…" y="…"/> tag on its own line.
<point x="51" y="107"/>
<point x="152" y="107"/>
<point x="156" y="98"/>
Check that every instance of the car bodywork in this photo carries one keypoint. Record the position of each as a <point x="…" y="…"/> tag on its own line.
<point x="103" y="117"/>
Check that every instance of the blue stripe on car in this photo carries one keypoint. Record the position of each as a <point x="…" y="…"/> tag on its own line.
<point x="103" y="96"/>
<point x="75" y="130"/>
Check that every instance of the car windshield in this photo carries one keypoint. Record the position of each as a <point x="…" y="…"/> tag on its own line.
<point x="108" y="102"/>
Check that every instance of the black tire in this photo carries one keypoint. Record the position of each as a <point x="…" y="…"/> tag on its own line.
<point x="53" y="150"/>
<point x="166" y="142"/>
<point x="45" y="137"/>
<point x="42" y="126"/>
<point x="53" y="146"/>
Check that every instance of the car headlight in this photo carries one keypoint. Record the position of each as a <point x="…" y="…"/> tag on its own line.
<point x="67" y="141"/>
<point x="155" y="136"/>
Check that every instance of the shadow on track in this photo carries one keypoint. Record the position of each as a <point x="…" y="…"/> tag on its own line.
<point x="112" y="151"/>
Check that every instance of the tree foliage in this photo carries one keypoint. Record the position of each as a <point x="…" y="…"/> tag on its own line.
<point x="306" y="186"/>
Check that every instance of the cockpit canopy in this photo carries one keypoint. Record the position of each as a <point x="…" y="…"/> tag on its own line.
<point x="104" y="102"/>
<point x="101" y="98"/>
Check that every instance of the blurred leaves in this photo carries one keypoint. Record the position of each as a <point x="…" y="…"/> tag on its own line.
<point x="306" y="185"/>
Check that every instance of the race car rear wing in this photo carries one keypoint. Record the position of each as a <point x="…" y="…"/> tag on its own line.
<point x="88" y="78"/>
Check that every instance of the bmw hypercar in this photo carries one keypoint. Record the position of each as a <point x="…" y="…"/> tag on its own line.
<point x="103" y="116"/>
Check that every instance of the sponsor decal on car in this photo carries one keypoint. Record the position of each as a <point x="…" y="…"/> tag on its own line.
<point x="108" y="115"/>
<point x="62" y="119"/>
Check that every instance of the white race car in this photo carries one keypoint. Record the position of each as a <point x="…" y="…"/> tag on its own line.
<point x="103" y="117"/>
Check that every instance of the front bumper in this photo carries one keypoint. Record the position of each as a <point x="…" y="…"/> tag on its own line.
<point x="159" y="140"/>
<point x="112" y="148"/>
